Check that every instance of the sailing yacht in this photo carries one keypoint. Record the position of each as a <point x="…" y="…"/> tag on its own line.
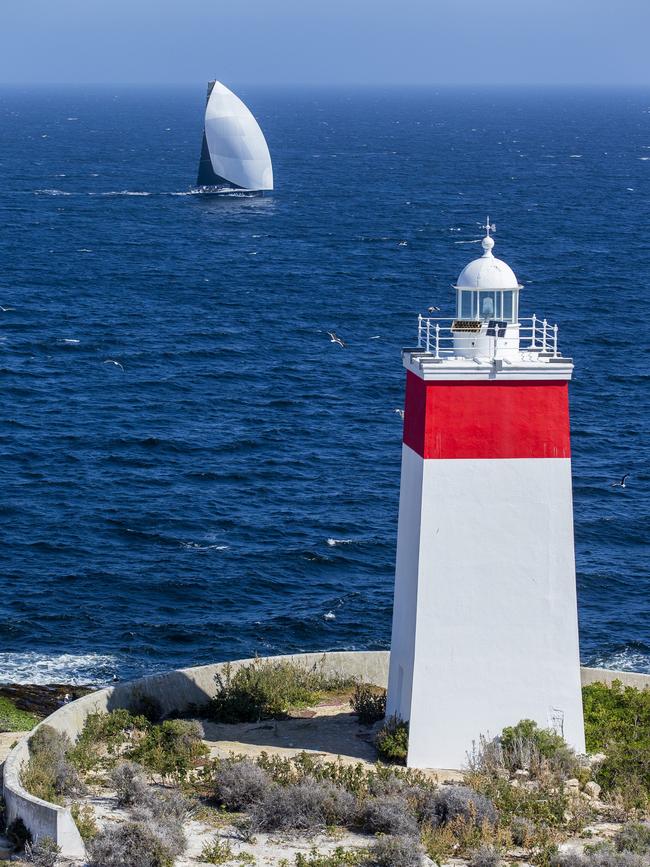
<point x="234" y="155"/>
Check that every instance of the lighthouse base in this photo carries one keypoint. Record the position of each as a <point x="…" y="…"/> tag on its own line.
<point x="485" y="627"/>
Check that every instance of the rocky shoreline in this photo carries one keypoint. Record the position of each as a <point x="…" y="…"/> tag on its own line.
<point x="42" y="699"/>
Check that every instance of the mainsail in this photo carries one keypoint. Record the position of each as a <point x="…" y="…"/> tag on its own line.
<point x="234" y="152"/>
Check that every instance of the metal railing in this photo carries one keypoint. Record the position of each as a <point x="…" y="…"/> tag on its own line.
<point x="436" y="336"/>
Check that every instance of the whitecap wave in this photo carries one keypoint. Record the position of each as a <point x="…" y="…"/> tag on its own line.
<point x="624" y="660"/>
<point x="333" y="542"/>
<point x="196" y="546"/>
<point x="68" y="340"/>
<point x="43" y="668"/>
<point x="49" y="192"/>
<point x="126" y="193"/>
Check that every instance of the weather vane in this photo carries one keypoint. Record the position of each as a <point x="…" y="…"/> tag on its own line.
<point x="489" y="227"/>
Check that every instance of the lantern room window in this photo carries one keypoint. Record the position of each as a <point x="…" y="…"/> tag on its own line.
<point x="485" y="305"/>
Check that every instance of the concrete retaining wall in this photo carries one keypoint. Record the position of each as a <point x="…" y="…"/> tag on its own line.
<point x="177" y="691"/>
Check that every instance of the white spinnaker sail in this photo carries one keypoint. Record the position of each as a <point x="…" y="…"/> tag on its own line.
<point x="238" y="149"/>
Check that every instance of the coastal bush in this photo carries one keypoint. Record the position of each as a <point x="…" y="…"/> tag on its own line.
<point x="340" y="857"/>
<point x="545" y="804"/>
<point x="392" y="740"/>
<point x="265" y="689"/>
<point x="388" y="814"/>
<point x="105" y="736"/>
<point x="170" y="749"/>
<point x="439" y="843"/>
<point x="617" y="722"/>
<point x="603" y="857"/>
<point x="84" y="819"/>
<point x="522" y="831"/>
<point x="43" y="853"/>
<point x="306" y="806"/>
<point x="369" y="703"/>
<point x="448" y="803"/>
<point x="217" y="852"/>
<point x="525" y="747"/>
<point x="130" y="844"/>
<point x="484" y="856"/>
<point x="633" y="837"/>
<point x="238" y="784"/>
<point x="390" y="851"/>
<point x="162" y="806"/>
<point x="130" y="784"/>
<point x="49" y="774"/>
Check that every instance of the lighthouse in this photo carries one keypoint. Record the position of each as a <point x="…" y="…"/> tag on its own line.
<point x="485" y="626"/>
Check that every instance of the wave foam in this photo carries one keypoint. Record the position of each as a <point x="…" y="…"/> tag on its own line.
<point x="333" y="542"/>
<point x="72" y="668"/>
<point x="624" y="660"/>
<point x="195" y="546"/>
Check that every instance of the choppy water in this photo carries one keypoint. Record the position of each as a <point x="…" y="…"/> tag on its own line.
<point x="238" y="480"/>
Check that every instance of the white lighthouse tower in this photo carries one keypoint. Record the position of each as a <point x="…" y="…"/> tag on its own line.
<point x="485" y="629"/>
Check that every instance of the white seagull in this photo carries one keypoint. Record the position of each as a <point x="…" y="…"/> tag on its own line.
<point x="400" y="412"/>
<point x="116" y="363"/>
<point x="620" y="484"/>
<point x="335" y="339"/>
<point x="433" y="309"/>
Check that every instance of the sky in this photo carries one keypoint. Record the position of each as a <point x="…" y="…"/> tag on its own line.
<point x="304" y="42"/>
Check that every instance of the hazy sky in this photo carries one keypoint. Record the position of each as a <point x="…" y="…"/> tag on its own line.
<point x="334" y="41"/>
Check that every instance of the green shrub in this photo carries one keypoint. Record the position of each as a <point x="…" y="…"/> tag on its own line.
<point x="369" y="703"/>
<point x="264" y="689"/>
<point x="547" y="804"/>
<point x="634" y="837"/>
<point x="49" y="774"/>
<point x="170" y="749"/>
<point x="104" y="737"/>
<point x="217" y="852"/>
<point x="340" y="857"/>
<point x="84" y="819"/>
<point x="617" y="722"/>
<point x="392" y="741"/>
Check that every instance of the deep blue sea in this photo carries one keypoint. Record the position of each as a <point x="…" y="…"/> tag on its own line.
<point x="239" y="478"/>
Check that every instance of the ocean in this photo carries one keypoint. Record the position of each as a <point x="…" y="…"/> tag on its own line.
<point x="237" y="478"/>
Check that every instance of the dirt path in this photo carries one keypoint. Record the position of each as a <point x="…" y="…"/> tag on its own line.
<point x="329" y="731"/>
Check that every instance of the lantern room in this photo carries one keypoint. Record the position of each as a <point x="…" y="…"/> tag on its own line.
<point x="487" y="305"/>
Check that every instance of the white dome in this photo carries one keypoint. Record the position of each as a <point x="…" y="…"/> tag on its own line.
<point x="488" y="272"/>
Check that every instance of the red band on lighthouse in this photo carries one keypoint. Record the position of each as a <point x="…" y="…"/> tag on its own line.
<point x="511" y="419"/>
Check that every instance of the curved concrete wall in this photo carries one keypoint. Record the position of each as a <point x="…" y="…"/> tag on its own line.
<point x="176" y="691"/>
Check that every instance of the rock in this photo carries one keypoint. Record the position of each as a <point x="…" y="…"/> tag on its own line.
<point x="596" y="759"/>
<point x="592" y="789"/>
<point x="522" y="775"/>
<point x="572" y="784"/>
<point x="39" y="699"/>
